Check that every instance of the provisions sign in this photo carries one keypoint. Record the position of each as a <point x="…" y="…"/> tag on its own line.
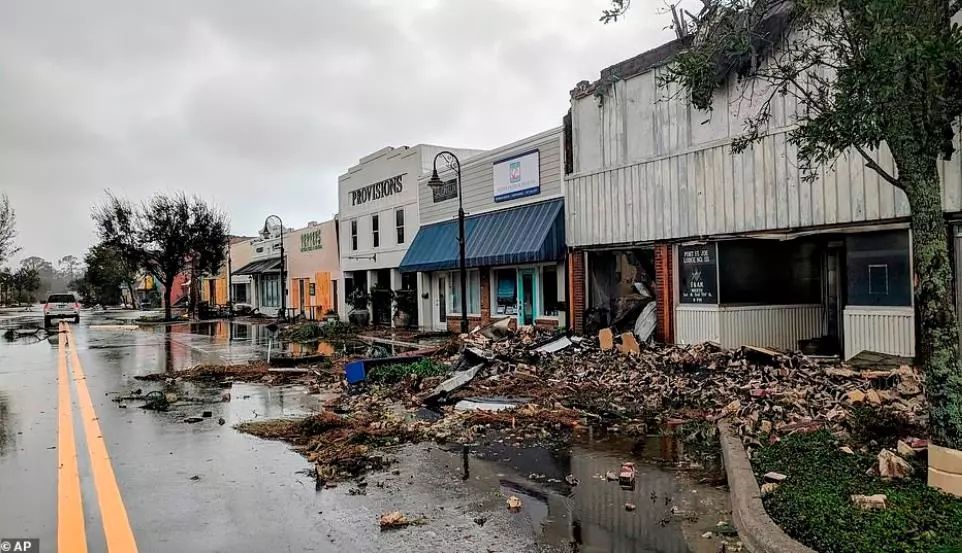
<point x="517" y="177"/>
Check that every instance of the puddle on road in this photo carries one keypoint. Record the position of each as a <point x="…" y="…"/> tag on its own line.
<point x="673" y="508"/>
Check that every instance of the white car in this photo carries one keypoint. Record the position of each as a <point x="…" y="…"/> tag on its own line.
<point x="61" y="306"/>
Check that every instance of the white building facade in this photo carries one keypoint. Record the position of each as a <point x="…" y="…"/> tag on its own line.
<point x="378" y="218"/>
<point x="515" y="243"/>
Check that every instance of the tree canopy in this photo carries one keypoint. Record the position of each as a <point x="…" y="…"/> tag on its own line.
<point x="8" y="229"/>
<point x="165" y="236"/>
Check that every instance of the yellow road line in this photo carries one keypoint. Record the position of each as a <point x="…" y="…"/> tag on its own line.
<point x="119" y="535"/>
<point x="71" y="533"/>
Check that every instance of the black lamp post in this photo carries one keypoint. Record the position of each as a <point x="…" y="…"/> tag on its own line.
<point x="435" y="181"/>
<point x="267" y="225"/>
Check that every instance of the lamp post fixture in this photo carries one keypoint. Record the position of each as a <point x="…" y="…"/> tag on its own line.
<point x="453" y="163"/>
<point x="282" y="314"/>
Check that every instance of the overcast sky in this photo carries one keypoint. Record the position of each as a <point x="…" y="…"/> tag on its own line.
<point x="258" y="106"/>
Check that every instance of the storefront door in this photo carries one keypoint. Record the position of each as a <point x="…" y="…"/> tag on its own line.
<point x="527" y="297"/>
<point x="300" y="294"/>
<point x="442" y="302"/>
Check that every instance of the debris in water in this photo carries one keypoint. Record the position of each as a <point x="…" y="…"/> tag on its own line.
<point x="396" y="519"/>
<point x="514" y="504"/>
<point x="626" y="478"/>
<point x="630" y="507"/>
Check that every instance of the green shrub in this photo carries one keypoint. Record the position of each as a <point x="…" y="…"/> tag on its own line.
<point x="390" y="374"/>
<point x="813" y="505"/>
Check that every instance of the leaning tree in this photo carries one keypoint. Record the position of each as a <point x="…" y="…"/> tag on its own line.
<point x="867" y="75"/>
<point x="165" y="236"/>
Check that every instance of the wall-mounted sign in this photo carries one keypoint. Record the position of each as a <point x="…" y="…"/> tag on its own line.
<point x="447" y="191"/>
<point x="517" y="177"/>
<point x="311" y="240"/>
<point x="376" y="191"/>
<point x="698" y="274"/>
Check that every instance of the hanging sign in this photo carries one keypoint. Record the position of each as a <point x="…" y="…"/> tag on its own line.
<point x="698" y="274"/>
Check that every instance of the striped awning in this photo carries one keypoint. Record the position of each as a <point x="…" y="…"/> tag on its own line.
<point x="259" y="267"/>
<point x="526" y="234"/>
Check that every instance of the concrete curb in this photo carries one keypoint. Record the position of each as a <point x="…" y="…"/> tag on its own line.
<point x="757" y="531"/>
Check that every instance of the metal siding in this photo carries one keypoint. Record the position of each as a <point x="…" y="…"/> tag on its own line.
<point x="477" y="179"/>
<point x="885" y="330"/>
<point x="697" y="324"/>
<point x="777" y="326"/>
<point x="688" y="195"/>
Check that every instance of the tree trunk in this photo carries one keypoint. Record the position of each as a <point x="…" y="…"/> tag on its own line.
<point x="168" y="286"/>
<point x="938" y="342"/>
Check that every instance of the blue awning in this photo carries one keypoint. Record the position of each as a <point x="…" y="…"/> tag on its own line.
<point x="526" y="234"/>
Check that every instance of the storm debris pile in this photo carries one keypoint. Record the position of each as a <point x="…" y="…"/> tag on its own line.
<point x="340" y="447"/>
<point x="765" y="393"/>
<point x="255" y="371"/>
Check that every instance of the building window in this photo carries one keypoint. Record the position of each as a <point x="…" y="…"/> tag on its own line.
<point x="399" y="221"/>
<point x="312" y="289"/>
<point x="877" y="269"/>
<point x="474" y="292"/>
<point x="240" y="293"/>
<point x="270" y="291"/>
<point x="375" y="228"/>
<point x="354" y="235"/>
<point x="506" y="291"/>
<point x="549" y="291"/>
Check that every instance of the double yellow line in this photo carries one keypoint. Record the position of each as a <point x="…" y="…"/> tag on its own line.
<point x="71" y="532"/>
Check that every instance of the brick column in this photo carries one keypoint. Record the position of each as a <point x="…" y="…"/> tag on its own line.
<point x="485" y="285"/>
<point x="665" y="293"/>
<point x="576" y="290"/>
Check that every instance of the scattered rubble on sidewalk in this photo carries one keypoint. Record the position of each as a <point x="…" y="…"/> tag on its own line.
<point x="892" y="466"/>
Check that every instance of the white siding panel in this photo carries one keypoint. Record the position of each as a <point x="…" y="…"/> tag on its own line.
<point x="885" y="330"/>
<point x="696" y="324"/>
<point x="712" y="191"/>
<point x="776" y="326"/>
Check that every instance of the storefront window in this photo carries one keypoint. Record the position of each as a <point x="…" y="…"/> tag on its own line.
<point x="375" y="226"/>
<point x="770" y="272"/>
<point x="506" y="293"/>
<point x="549" y="291"/>
<point x="877" y="269"/>
<point x="270" y="291"/>
<point x="474" y="292"/>
<point x="240" y="293"/>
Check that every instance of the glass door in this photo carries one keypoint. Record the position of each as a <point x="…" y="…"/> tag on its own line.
<point x="527" y="297"/>
<point x="442" y="301"/>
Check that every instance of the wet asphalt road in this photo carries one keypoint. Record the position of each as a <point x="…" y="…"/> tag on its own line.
<point x="208" y="488"/>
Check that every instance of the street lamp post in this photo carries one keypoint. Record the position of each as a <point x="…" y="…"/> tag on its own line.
<point x="453" y="163"/>
<point x="282" y="314"/>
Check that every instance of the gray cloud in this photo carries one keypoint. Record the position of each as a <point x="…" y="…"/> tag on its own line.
<point x="259" y="106"/>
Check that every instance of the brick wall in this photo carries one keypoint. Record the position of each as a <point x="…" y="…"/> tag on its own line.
<point x="664" y="292"/>
<point x="576" y="290"/>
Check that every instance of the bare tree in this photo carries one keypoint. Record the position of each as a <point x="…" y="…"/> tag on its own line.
<point x="8" y="229"/>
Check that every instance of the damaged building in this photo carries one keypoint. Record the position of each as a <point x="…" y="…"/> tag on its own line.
<point x="515" y="250"/>
<point x="737" y="248"/>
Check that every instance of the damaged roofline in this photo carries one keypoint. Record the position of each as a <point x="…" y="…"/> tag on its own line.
<point x="643" y="62"/>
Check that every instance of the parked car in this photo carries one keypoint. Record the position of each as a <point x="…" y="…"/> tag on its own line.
<point x="61" y="306"/>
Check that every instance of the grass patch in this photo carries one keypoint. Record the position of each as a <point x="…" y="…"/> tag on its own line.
<point x="392" y="374"/>
<point x="813" y="505"/>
